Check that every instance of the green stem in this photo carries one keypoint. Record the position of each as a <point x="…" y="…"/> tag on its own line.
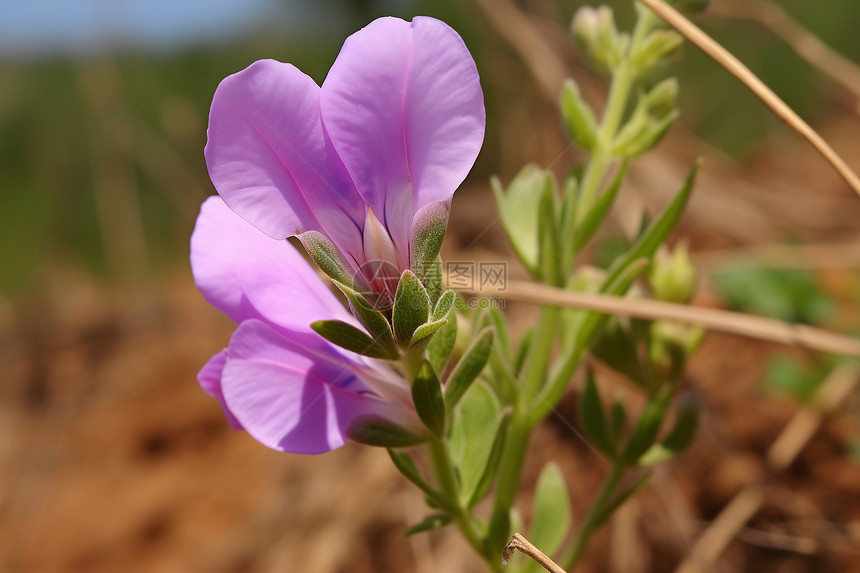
<point x="571" y="557"/>
<point x="447" y="478"/>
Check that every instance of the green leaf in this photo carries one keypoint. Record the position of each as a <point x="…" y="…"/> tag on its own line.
<point x="518" y="210"/>
<point x="492" y="465"/>
<point x="432" y="521"/>
<point x="469" y="367"/>
<point x="442" y="343"/>
<point x="550" y="247"/>
<point x="619" y="500"/>
<point x="411" y="307"/>
<point x="523" y="350"/>
<point x="500" y="325"/>
<point x="551" y="515"/>
<point x="444" y="305"/>
<point x="593" y="418"/>
<point x="616" y="347"/>
<point x="579" y="118"/>
<point x="657" y="232"/>
<point x="619" y="417"/>
<point x="403" y="462"/>
<point x="598" y="212"/>
<point x="427" y="397"/>
<point x="645" y="431"/>
<point x="473" y="432"/>
<point x="376" y="431"/>
<point x="373" y="320"/>
<point x="351" y="338"/>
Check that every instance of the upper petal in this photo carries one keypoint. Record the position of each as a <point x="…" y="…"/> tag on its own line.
<point x="247" y="274"/>
<point x="292" y="393"/>
<point x="404" y="109"/>
<point x="269" y="158"/>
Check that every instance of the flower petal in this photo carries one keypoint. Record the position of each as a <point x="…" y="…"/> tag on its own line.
<point x="289" y="396"/>
<point x="209" y="378"/>
<point x="269" y="159"/>
<point x="246" y="274"/>
<point x="404" y="109"/>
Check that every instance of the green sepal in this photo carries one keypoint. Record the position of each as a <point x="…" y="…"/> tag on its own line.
<point x="428" y="232"/>
<point x="427" y="397"/>
<point x="351" y="338"/>
<point x="551" y="515"/>
<point x="469" y="367"/>
<point x="327" y="257"/>
<point x="645" y="431"/>
<point x="593" y="418"/>
<point x="381" y="432"/>
<point x="372" y="319"/>
<point x="579" y="118"/>
<point x="425" y="331"/>
<point x="411" y="307"/>
<point x="429" y="523"/>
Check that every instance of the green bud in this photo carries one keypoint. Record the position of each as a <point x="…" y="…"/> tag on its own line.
<point x="655" y="112"/>
<point x="662" y="99"/>
<point x="595" y="33"/>
<point x="672" y="277"/>
<point x="671" y="344"/>
<point x="656" y="48"/>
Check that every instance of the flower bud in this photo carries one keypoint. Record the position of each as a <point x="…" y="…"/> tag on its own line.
<point x="595" y="33"/>
<point x="672" y="276"/>
<point x="655" y="49"/>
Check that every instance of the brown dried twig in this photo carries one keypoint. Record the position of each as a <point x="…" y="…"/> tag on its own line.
<point x="521" y="544"/>
<point x="722" y="56"/>
<point x="710" y="318"/>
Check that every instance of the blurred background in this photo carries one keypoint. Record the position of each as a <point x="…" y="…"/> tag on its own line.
<point x="112" y="459"/>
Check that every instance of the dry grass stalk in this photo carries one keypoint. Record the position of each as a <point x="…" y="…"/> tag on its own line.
<point x="720" y="55"/>
<point x="714" y="319"/>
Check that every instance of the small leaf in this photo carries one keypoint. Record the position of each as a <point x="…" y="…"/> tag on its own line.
<point x="411" y="307"/>
<point x="657" y="232"/>
<point x="376" y="431"/>
<point x="578" y="117"/>
<point x="500" y="325"/>
<point x="550" y="248"/>
<point x="469" y="367"/>
<point x="351" y="338"/>
<point x="551" y="516"/>
<point x="425" y="331"/>
<point x="442" y="343"/>
<point x="593" y="418"/>
<point x="432" y="521"/>
<point x="518" y="211"/>
<point x="427" y="397"/>
<point x="645" y="431"/>
<point x="473" y="430"/>
<point x="619" y="500"/>
<point x="685" y="425"/>
<point x="403" y="462"/>
<point x="492" y="465"/>
<point x="598" y="212"/>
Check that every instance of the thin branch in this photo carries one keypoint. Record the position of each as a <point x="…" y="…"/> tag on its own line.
<point x="522" y="545"/>
<point x="714" y="319"/>
<point x="755" y="85"/>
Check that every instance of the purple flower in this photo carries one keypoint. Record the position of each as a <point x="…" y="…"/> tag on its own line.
<point x="375" y="152"/>
<point x="280" y="381"/>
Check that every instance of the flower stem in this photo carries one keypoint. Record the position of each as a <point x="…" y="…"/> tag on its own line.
<point x="592" y="521"/>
